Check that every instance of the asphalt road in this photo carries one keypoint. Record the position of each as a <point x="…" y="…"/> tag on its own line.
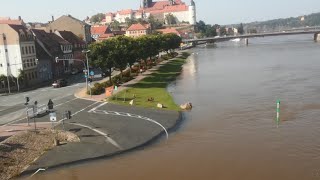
<point x="12" y="107"/>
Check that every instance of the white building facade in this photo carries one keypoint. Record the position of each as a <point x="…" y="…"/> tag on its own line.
<point x="17" y="52"/>
<point x="160" y="9"/>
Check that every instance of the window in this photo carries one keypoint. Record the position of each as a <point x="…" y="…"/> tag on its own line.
<point x="30" y="49"/>
<point x="22" y="50"/>
<point x="27" y="52"/>
<point x="34" y="62"/>
<point x="36" y="75"/>
<point x="33" y="49"/>
<point x="28" y="65"/>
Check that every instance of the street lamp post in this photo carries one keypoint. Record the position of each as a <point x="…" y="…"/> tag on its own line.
<point x="57" y="59"/>
<point x="88" y="68"/>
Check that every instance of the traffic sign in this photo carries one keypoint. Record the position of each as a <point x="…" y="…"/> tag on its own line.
<point x="53" y="117"/>
<point x="85" y="76"/>
<point x="91" y="73"/>
<point x="116" y="88"/>
<point x="85" y="70"/>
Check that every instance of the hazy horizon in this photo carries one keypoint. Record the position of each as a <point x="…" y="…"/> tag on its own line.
<point x="231" y="12"/>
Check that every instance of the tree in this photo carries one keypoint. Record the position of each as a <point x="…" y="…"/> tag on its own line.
<point x="120" y="51"/>
<point x="97" y="18"/>
<point x="100" y="56"/>
<point x="240" y="29"/>
<point x="129" y="21"/>
<point x="223" y="31"/>
<point x="115" y="26"/>
<point x="170" y="19"/>
<point x="155" y="23"/>
<point x="210" y="31"/>
<point x="201" y="26"/>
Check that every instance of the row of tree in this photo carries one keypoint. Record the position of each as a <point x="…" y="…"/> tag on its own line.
<point x="121" y="51"/>
<point x="208" y="30"/>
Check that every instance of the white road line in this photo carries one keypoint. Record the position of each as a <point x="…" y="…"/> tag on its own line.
<point x="79" y="111"/>
<point x="110" y="140"/>
<point x="95" y="108"/>
<point x="9" y="123"/>
<point x="132" y="116"/>
<point x="65" y="102"/>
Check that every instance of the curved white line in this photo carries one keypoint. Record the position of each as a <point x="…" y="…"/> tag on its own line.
<point x="132" y="116"/>
<point x="101" y="133"/>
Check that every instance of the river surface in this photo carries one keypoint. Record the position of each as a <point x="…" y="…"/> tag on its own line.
<point x="231" y="133"/>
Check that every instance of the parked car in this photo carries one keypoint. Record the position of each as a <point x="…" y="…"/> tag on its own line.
<point x="59" y="83"/>
<point x="75" y="71"/>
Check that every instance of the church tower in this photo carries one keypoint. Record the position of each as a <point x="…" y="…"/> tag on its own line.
<point x="147" y="3"/>
<point x="192" y="13"/>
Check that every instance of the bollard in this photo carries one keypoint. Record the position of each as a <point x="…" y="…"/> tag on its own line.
<point x="278" y="111"/>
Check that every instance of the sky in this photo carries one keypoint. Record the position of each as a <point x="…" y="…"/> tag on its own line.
<point x="212" y="12"/>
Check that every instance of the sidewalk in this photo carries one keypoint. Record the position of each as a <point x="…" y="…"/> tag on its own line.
<point x="102" y="97"/>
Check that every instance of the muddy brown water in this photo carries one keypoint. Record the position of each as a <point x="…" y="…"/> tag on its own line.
<point x="231" y="132"/>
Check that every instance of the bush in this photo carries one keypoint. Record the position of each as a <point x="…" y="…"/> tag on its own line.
<point x="185" y="55"/>
<point x="126" y="79"/>
<point x="97" y="89"/>
<point x="106" y="84"/>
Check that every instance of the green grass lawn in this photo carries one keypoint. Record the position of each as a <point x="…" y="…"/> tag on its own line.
<point x="153" y="86"/>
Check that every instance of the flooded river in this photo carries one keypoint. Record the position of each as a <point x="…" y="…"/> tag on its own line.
<point x="231" y="132"/>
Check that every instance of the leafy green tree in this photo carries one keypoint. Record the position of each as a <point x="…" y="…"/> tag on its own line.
<point x="210" y="31"/>
<point x="97" y="18"/>
<point x="120" y="51"/>
<point x="223" y="31"/>
<point x="115" y="26"/>
<point x="100" y="56"/>
<point x="129" y="21"/>
<point x="201" y="26"/>
<point x="170" y="19"/>
<point x="155" y="23"/>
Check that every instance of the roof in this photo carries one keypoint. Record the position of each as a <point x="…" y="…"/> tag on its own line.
<point x="125" y="11"/>
<point x="165" y="7"/>
<point x="13" y="21"/>
<point x="70" y="37"/>
<point x="58" y="39"/>
<point x="73" y="18"/>
<point x="106" y="36"/>
<point x="100" y="30"/>
<point x="21" y="29"/>
<point x="169" y="30"/>
<point x="135" y="27"/>
<point x="44" y="37"/>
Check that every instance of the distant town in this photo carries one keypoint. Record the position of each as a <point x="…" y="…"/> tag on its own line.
<point x="27" y="50"/>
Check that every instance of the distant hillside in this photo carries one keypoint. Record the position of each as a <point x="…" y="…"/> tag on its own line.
<point x="287" y="23"/>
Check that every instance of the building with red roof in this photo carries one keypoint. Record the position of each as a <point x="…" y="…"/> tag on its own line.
<point x="136" y="30"/>
<point x="159" y="9"/>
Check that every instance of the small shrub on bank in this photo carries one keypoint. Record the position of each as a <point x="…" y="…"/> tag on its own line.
<point x="185" y="55"/>
<point x="97" y="89"/>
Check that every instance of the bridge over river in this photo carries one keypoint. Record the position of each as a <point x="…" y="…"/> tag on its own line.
<point x="247" y="36"/>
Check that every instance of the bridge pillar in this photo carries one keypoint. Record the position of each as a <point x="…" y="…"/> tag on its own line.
<point x="246" y="41"/>
<point x="317" y="37"/>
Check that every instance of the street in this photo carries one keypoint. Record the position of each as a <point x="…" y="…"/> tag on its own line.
<point x="12" y="107"/>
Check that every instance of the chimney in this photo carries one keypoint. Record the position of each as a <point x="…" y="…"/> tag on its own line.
<point x="19" y="18"/>
<point x="52" y="18"/>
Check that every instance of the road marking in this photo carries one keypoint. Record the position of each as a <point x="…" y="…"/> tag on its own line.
<point x="110" y="140"/>
<point x="132" y="116"/>
<point x="79" y="111"/>
<point x="65" y="102"/>
<point x="9" y="123"/>
<point x="95" y="108"/>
